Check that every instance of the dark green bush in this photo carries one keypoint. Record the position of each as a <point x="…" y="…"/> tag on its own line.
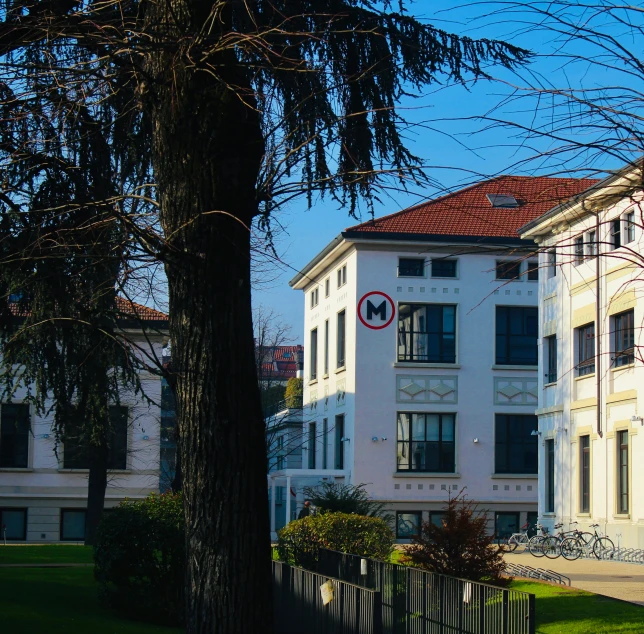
<point x="299" y="542"/>
<point x="140" y="559"/>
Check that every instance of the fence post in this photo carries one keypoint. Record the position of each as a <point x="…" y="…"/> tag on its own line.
<point x="531" y="614"/>
<point x="441" y="602"/>
<point x="506" y="611"/>
<point x="481" y="609"/>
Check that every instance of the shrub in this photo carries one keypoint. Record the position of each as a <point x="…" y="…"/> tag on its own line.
<point x="140" y="558"/>
<point x="294" y="393"/>
<point x="460" y="546"/>
<point x="299" y="542"/>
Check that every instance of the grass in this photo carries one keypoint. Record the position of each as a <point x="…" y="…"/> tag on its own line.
<point x="60" y="601"/>
<point x="46" y="554"/>
<point x="562" y="610"/>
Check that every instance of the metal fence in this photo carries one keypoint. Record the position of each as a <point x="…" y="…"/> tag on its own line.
<point x="299" y="607"/>
<point x="419" y="602"/>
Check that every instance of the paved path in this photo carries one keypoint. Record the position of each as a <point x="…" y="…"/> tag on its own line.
<point x="613" y="579"/>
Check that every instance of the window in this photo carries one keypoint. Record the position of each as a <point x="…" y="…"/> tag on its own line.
<point x="584" y="474"/>
<point x="325" y="433"/>
<point x="279" y="462"/>
<point x="341" y="342"/>
<point x="586" y="350"/>
<point x="443" y="268"/>
<point x="339" y="442"/>
<point x="552" y="262"/>
<point x="629" y="227"/>
<point x="550" y="476"/>
<point x="508" y="270"/>
<point x="591" y="244"/>
<point x="407" y="524"/>
<point x="411" y="267"/>
<point x="616" y="233"/>
<point x="437" y="517"/>
<point x="14" y="436"/>
<point x="327" y="287"/>
<point x="505" y="524"/>
<point x="427" y="333"/>
<point x="311" y="445"/>
<point x="624" y="338"/>
<point x="622" y="471"/>
<point x="516" y="335"/>
<point x="579" y="250"/>
<point x="314" y="354"/>
<point x="315" y="297"/>
<point x="533" y="271"/>
<point x="342" y="276"/>
<point x="515" y="448"/>
<point x="76" y="445"/>
<point x="551" y="349"/>
<point x="426" y="442"/>
<point x="326" y="347"/>
<point x="72" y="525"/>
<point x="13" y="524"/>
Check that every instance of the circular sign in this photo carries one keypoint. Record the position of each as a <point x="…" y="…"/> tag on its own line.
<point x="376" y="310"/>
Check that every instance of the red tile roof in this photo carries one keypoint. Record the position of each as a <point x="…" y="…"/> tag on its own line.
<point x="468" y="212"/>
<point x="280" y="362"/>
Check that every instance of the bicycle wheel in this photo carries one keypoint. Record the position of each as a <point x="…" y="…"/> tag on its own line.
<point x="584" y="538"/>
<point x="551" y="547"/>
<point x="511" y="544"/>
<point x="571" y="548"/>
<point x="535" y="546"/>
<point x="601" y="546"/>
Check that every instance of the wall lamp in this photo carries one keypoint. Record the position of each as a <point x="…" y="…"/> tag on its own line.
<point x="635" y="419"/>
<point x="535" y="432"/>
<point x="345" y="439"/>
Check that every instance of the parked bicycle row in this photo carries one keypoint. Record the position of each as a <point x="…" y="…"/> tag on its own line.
<point x="570" y="544"/>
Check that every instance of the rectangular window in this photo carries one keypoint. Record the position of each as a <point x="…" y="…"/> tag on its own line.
<point x="505" y="524"/>
<point x="315" y="297"/>
<point x="552" y="262"/>
<point x="437" y="517"/>
<point x="341" y="342"/>
<point x="586" y="349"/>
<point x="508" y="269"/>
<point x="629" y="227"/>
<point x="342" y="276"/>
<point x="591" y="244"/>
<point x="13" y="524"/>
<point x="616" y="233"/>
<point x="76" y="445"/>
<point x="622" y="471"/>
<point x="624" y="338"/>
<point x="14" y="436"/>
<point x="427" y="333"/>
<point x="325" y="442"/>
<point x="579" y="250"/>
<point x="551" y="348"/>
<point x="444" y="268"/>
<point x="339" y="442"/>
<point x="550" y="476"/>
<point x="314" y="354"/>
<point x="584" y="474"/>
<point x="411" y="267"/>
<point x="326" y="347"/>
<point x="72" y="525"/>
<point x="516" y="335"/>
<point x="407" y="524"/>
<point x="426" y="442"/>
<point x="533" y="271"/>
<point x="327" y="287"/>
<point x="279" y="463"/>
<point x="515" y="448"/>
<point x="311" y="445"/>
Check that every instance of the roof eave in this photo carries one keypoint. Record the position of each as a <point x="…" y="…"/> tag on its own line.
<point x="430" y="237"/>
<point x="301" y="279"/>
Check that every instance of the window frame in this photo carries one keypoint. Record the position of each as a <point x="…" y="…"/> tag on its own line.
<point x="511" y="267"/>
<point x="62" y="524"/>
<point x="402" y="272"/>
<point x="591" y="244"/>
<point x="12" y="509"/>
<point x="313" y="354"/>
<point x="326" y="348"/>
<point x="338" y="454"/>
<point x="342" y="276"/>
<point x="442" y="261"/>
<point x="551" y="376"/>
<point x="585" y="355"/>
<point x="325" y="448"/>
<point x="408" y="444"/>
<point x="623" y="356"/>
<point x="444" y="355"/>
<point x="315" y="297"/>
<point x="532" y="270"/>
<point x="311" y="445"/>
<point x="629" y="227"/>
<point x="506" y="356"/>
<point x="418" y="515"/>
<point x="616" y="233"/>
<point x="579" y="251"/>
<point x="327" y="287"/>
<point x="510" y="448"/>
<point x="585" y="473"/>
<point x="25" y="434"/>
<point x="622" y="444"/>
<point x="551" y="255"/>
<point x="341" y="340"/>
<point x="549" y="498"/>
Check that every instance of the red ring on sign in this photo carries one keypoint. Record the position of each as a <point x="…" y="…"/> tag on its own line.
<point x="393" y="310"/>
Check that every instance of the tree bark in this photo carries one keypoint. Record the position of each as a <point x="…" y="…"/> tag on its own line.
<point x="207" y="151"/>
<point x="96" y="489"/>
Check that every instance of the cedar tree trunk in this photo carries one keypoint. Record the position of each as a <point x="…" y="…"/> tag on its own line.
<point x="96" y="488"/>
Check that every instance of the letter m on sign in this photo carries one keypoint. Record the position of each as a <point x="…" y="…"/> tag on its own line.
<point x="380" y="310"/>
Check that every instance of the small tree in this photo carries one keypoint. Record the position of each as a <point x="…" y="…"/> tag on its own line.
<point x="460" y="546"/>
<point x="294" y="393"/>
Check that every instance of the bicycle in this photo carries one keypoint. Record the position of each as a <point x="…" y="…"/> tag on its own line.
<point x="519" y="539"/>
<point x="573" y="547"/>
<point x="552" y="545"/>
<point x="535" y="544"/>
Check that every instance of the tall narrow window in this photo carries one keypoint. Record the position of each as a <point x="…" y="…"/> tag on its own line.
<point x="311" y="445"/>
<point x="622" y="471"/>
<point x="533" y="271"/>
<point x="339" y="442"/>
<point x="586" y="349"/>
<point x="515" y="448"/>
<point x="426" y="442"/>
<point x="551" y="374"/>
<point x="327" y="287"/>
<point x="591" y="244"/>
<point x="342" y="276"/>
<point x="629" y="227"/>
<point x="326" y="347"/>
<point x="579" y="250"/>
<point x="616" y="233"/>
<point x="341" y="341"/>
<point x="550" y="476"/>
<point x="315" y="297"/>
<point x="584" y="474"/>
<point x="314" y="354"/>
<point x="516" y="335"/>
<point x="624" y="338"/>
<point x="552" y="262"/>
<point x="325" y="442"/>
<point x="427" y="333"/>
<point x="14" y="436"/>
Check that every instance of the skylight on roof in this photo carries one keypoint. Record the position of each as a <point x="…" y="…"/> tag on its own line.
<point x="502" y="200"/>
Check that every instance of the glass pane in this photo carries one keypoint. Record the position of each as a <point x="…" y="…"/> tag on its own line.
<point x="403" y="426"/>
<point x="418" y="456"/>
<point x="418" y="427"/>
<point x="407" y="525"/>
<point x="433" y="427"/>
<point x="403" y="455"/>
<point x="448" y="427"/>
<point x="73" y="525"/>
<point x="449" y="319"/>
<point x="14" y="524"/>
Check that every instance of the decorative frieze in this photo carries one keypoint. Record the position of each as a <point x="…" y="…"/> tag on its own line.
<point x="426" y="389"/>
<point x="515" y="391"/>
<point x="313" y="401"/>
<point x="340" y="392"/>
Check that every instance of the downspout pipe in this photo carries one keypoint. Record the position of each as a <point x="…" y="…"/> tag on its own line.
<point x="598" y="329"/>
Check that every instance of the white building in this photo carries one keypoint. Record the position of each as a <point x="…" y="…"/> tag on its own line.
<point x="43" y="496"/>
<point x="421" y="365"/>
<point x="591" y="393"/>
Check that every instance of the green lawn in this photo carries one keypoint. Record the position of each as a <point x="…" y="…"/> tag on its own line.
<point x="60" y="601"/>
<point x="562" y="610"/>
<point x="46" y="554"/>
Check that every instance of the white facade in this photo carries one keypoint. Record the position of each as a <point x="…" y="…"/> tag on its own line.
<point x="44" y="501"/>
<point x="370" y="391"/>
<point x="592" y="389"/>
